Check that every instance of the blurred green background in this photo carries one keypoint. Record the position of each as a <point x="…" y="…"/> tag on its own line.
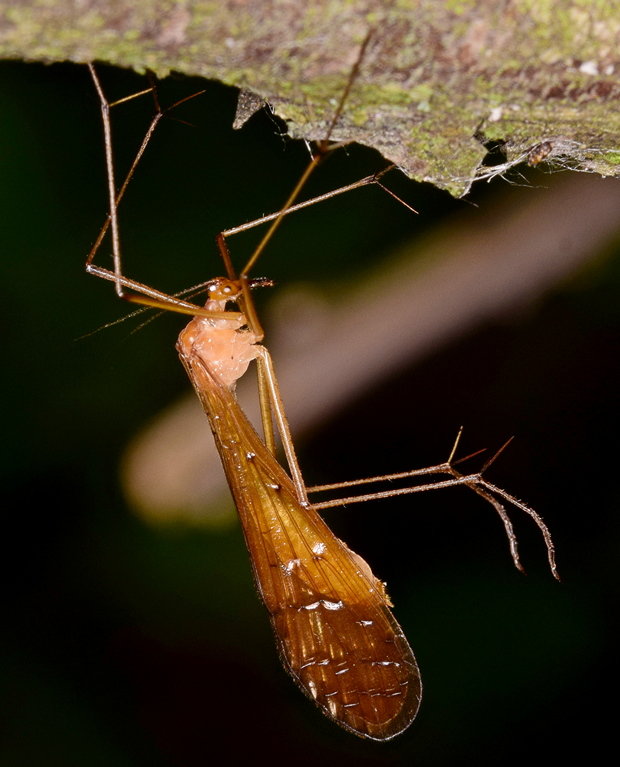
<point x="126" y="644"/>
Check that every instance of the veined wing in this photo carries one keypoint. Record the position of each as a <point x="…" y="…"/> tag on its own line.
<point x="331" y="616"/>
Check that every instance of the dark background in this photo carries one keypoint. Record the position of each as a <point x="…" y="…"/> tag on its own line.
<point x="128" y="644"/>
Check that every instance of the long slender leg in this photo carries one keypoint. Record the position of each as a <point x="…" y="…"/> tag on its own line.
<point x="474" y="481"/>
<point x="322" y="149"/>
<point x="155" y="298"/>
<point x="245" y="300"/>
<point x="277" y="408"/>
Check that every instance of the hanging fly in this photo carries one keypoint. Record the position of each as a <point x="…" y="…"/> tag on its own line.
<point x="331" y="616"/>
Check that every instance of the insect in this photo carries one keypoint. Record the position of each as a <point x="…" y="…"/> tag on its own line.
<point x="539" y="152"/>
<point x="331" y="616"/>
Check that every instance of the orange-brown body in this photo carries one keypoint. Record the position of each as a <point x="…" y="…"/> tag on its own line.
<point x="332" y="620"/>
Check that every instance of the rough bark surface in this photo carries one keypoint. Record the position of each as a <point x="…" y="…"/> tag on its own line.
<point x="441" y="81"/>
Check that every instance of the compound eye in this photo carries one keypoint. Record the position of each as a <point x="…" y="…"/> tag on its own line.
<point x="223" y="289"/>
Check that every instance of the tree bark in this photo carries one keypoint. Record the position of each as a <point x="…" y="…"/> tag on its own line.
<point x="440" y="84"/>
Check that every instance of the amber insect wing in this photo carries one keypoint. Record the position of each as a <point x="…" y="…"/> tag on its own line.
<point x="336" y="634"/>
